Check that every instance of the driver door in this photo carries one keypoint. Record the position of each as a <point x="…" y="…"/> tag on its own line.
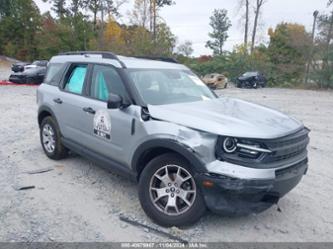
<point x="109" y="130"/>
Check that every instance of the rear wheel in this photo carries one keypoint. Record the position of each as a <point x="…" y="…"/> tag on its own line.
<point x="51" y="139"/>
<point x="168" y="192"/>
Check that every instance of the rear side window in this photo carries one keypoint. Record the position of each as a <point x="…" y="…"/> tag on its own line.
<point x="75" y="81"/>
<point x="54" y="73"/>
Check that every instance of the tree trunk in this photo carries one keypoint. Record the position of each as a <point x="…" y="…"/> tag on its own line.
<point x="328" y="41"/>
<point x="247" y="7"/>
<point x="257" y="13"/>
<point x="151" y="15"/>
<point x="101" y="33"/>
<point x="221" y="48"/>
<point x="154" y="18"/>
<point x="307" y="70"/>
<point x="95" y="20"/>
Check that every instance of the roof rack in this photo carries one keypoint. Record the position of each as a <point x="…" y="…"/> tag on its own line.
<point x="104" y="54"/>
<point x="165" y="59"/>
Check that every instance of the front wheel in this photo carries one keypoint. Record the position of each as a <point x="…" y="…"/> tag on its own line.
<point x="168" y="192"/>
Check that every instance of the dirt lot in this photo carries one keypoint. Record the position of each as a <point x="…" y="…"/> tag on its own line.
<point x="78" y="201"/>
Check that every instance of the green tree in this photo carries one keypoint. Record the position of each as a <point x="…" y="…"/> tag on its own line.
<point x="5" y="6"/>
<point x="288" y="51"/>
<point x="59" y="7"/>
<point x="165" y="41"/>
<point x="323" y="64"/>
<point x="97" y="6"/>
<point x="220" y="24"/>
<point x="155" y="6"/>
<point x="19" y="25"/>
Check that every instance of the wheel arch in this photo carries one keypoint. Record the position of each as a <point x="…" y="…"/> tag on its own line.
<point x="156" y="147"/>
<point x="44" y="112"/>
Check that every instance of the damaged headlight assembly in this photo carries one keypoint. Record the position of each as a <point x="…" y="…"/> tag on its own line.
<point x="236" y="148"/>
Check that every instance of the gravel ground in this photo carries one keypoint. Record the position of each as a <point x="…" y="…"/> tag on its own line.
<point x="78" y="201"/>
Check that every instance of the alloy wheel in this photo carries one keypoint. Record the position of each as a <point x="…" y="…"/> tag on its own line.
<point x="48" y="138"/>
<point x="172" y="190"/>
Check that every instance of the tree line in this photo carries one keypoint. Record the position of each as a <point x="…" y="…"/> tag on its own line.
<point x="292" y="56"/>
<point x="26" y="34"/>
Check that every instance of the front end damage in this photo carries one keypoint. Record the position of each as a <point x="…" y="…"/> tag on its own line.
<point x="269" y="157"/>
<point x="250" y="185"/>
<point x="234" y="196"/>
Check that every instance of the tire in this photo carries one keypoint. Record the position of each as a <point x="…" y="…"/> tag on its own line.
<point x="52" y="134"/>
<point x="185" y="214"/>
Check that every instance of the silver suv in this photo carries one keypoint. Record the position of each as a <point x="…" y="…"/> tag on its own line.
<point x="156" y="122"/>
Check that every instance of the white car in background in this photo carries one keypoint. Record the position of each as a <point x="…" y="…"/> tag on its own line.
<point x="42" y="63"/>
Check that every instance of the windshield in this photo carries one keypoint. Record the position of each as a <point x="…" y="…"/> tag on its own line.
<point x="166" y="86"/>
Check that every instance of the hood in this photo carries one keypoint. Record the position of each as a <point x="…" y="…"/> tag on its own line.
<point x="228" y="117"/>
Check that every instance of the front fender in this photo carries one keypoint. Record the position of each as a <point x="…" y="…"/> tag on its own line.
<point x="187" y="152"/>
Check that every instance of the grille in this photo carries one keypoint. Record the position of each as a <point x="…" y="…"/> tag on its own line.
<point x="287" y="147"/>
<point x="281" y="172"/>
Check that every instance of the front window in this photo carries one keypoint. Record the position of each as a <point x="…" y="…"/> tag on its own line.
<point x="166" y="86"/>
<point x="106" y="80"/>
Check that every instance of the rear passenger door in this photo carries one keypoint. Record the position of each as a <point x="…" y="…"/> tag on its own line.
<point x="109" y="130"/>
<point x="70" y="101"/>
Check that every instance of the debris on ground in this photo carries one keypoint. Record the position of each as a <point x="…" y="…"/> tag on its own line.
<point x="152" y="229"/>
<point x="176" y="231"/>
<point x="18" y="188"/>
<point x="39" y="171"/>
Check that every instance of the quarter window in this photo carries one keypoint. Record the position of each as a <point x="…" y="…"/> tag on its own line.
<point x="75" y="81"/>
<point x="54" y="73"/>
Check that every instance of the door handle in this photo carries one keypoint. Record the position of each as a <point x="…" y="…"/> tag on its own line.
<point x="58" y="101"/>
<point x="89" y="110"/>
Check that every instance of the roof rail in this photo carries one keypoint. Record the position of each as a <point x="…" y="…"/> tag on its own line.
<point x="165" y="59"/>
<point x="104" y="54"/>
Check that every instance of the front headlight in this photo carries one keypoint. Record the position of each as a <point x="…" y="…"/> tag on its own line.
<point x="229" y="145"/>
<point x="237" y="148"/>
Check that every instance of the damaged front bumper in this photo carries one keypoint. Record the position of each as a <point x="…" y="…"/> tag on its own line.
<point x="243" y="190"/>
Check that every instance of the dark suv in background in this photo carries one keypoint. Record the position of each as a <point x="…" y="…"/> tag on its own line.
<point x="251" y="80"/>
<point x="29" y="73"/>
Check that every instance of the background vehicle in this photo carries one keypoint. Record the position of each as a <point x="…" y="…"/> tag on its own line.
<point x="157" y="123"/>
<point x="29" y="76"/>
<point x="19" y="66"/>
<point x="215" y="81"/>
<point x="251" y="80"/>
<point x="41" y="63"/>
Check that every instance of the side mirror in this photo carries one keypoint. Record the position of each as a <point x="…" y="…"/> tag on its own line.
<point x="115" y="101"/>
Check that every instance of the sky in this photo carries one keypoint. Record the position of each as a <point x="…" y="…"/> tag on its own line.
<point x="189" y="19"/>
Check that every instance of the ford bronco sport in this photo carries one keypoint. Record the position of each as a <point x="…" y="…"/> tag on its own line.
<point x="159" y="124"/>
